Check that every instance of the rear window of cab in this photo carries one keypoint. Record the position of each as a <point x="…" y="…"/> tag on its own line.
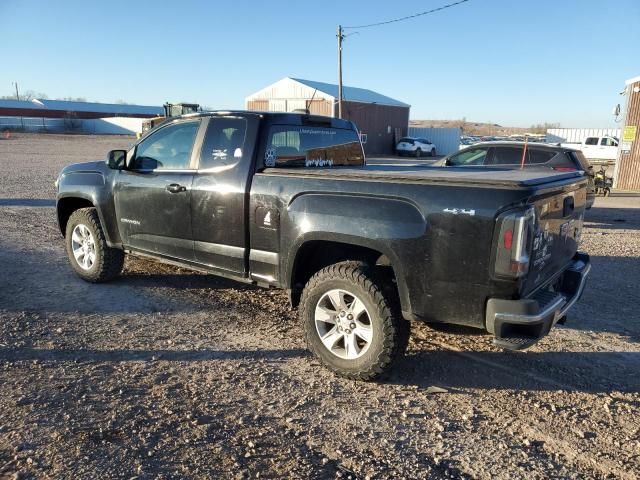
<point x="307" y="146"/>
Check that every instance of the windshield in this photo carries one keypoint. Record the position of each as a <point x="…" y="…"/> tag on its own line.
<point x="302" y="146"/>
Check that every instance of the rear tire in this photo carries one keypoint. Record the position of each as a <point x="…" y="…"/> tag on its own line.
<point x="418" y="153"/>
<point x="350" y="325"/>
<point x="87" y="249"/>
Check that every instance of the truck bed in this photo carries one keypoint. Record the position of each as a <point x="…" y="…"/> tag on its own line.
<point x="481" y="176"/>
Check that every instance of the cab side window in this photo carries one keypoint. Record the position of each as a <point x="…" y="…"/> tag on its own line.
<point x="224" y="143"/>
<point x="167" y="149"/>
<point x="608" y="142"/>
<point x="591" y="141"/>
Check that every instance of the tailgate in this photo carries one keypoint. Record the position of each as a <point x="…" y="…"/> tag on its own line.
<point x="558" y="226"/>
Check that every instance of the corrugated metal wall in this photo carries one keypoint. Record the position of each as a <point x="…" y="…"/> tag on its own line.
<point x="628" y="165"/>
<point x="577" y="135"/>
<point x="98" y="126"/>
<point x="446" y="140"/>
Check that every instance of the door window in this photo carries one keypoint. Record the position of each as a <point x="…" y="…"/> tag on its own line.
<point x="224" y="143"/>
<point x="591" y="141"/>
<point x="475" y="156"/>
<point x="608" y="142"/>
<point x="167" y="149"/>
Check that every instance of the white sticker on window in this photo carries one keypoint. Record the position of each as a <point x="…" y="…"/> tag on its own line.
<point x="237" y="153"/>
<point x="318" y="162"/>
<point x="270" y="157"/>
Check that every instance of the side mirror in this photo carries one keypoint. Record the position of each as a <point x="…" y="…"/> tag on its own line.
<point x="116" y="159"/>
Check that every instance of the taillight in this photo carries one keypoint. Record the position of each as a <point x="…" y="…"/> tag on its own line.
<point x="515" y="234"/>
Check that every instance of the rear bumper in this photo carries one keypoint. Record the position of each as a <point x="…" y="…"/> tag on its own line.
<point x="518" y="324"/>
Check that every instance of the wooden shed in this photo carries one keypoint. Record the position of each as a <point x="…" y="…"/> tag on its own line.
<point x="627" y="174"/>
<point x="380" y="119"/>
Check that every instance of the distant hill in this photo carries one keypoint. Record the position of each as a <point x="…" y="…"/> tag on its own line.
<point x="481" y="128"/>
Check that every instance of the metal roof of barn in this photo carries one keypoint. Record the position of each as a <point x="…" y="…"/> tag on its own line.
<point x="352" y="94"/>
<point x="70" y="106"/>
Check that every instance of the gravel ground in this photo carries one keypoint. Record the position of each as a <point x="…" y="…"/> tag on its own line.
<point x="166" y="373"/>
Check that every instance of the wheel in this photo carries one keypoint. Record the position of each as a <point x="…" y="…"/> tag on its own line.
<point x="607" y="191"/>
<point x="350" y="325"/>
<point x="433" y="152"/>
<point x="418" y="153"/>
<point x="87" y="249"/>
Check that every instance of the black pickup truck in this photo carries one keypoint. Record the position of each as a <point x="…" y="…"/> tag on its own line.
<point x="287" y="200"/>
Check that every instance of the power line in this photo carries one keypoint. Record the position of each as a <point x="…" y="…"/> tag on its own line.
<point x="410" y="16"/>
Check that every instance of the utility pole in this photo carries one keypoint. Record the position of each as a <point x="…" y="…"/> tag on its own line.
<point x="17" y="94"/>
<point x="340" y="38"/>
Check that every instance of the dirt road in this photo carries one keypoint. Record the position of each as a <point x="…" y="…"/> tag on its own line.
<point x="166" y="373"/>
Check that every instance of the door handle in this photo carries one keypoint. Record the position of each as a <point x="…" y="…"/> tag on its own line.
<point x="176" y="188"/>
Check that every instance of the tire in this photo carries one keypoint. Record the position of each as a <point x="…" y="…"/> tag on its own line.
<point x="387" y="330"/>
<point x="418" y="153"/>
<point x="95" y="262"/>
<point x="433" y="152"/>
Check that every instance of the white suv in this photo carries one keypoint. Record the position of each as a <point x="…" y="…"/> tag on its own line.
<point x="415" y="146"/>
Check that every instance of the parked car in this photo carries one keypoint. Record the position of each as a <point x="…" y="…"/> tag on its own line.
<point x="466" y="142"/>
<point x="286" y="200"/>
<point x="416" y="147"/>
<point x="597" y="148"/>
<point x="538" y="155"/>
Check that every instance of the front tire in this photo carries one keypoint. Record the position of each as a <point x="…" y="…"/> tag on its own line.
<point x="418" y="153"/>
<point x="87" y="249"/>
<point x="433" y="152"/>
<point x="349" y="324"/>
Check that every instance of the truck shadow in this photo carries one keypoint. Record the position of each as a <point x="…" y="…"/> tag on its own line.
<point x="609" y="303"/>
<point x="612" y="218"/>
<point x="588" y="372"/>
<point x="90" y="355"/>
<point x="454" y="371"/>
<point x="27" y="202"/>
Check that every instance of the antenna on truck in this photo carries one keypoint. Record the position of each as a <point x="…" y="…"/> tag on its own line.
<point x="524" y="150"/>
<point x="311" y="101"/>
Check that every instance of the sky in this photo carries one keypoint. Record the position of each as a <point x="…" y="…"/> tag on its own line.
<point x="511" y="62"/>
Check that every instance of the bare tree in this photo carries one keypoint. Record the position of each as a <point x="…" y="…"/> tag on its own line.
<point x="543" y="127"/>
<point x="27" y="96"/>
<point x="73" y="99"/>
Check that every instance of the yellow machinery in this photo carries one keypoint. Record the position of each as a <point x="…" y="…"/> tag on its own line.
<point x="170" y="110"/>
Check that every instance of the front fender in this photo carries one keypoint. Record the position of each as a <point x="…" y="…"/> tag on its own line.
<point x="391" y="226"/>
<point x="92" y="187"/>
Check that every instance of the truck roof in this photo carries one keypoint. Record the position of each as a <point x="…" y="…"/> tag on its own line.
<point x="288" y="118"/>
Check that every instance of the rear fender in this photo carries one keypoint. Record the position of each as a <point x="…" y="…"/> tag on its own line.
<point x="386" y="225"/>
